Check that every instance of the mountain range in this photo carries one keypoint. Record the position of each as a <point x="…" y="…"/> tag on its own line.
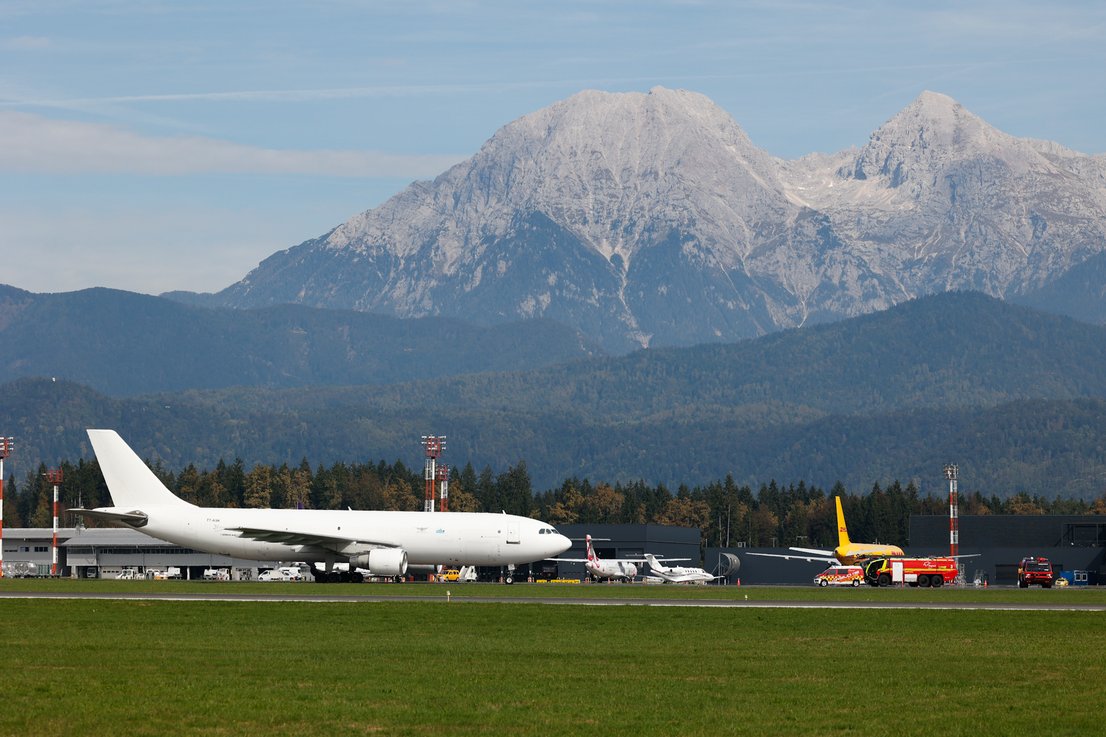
<point x="123" y="344"/>
<point x="624" y="287"/>
<point x="651" y="219"/>
<point x="1016" y="397"/>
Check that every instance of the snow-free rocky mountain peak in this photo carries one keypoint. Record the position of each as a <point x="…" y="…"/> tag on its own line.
<point x="652" y="219"/>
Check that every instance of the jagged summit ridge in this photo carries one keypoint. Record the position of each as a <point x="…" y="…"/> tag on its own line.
<point x="651" y="218"/>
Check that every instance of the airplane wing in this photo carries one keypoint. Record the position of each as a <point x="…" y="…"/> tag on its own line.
<point x="569" y="560"/>
<point x="134" y="518"/>
<point x="292" y="537"/>
<point x="813" y="551"/>
<point x="807" y="558"/>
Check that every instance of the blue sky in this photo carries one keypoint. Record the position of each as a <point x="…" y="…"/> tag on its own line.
<point x="159" y="145"/>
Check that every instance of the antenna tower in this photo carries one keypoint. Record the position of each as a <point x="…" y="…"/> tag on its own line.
<point x="54" y="476"/>
<point x="434" y="445"/>
<point x="951" y="472"/>
<point x="443" y="487"/>
<point x="5" y="451"/>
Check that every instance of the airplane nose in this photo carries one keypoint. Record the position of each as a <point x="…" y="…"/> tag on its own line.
<point x="559" y="544"/>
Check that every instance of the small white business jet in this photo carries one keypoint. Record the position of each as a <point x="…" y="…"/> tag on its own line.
<point x="677" y="574"/>
<point x="384" y="543"/>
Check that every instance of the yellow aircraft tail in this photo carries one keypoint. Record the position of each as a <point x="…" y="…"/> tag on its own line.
<point x="842" y="531"/>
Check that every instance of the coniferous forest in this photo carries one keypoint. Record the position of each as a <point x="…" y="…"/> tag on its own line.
<point x="726" y="513"/>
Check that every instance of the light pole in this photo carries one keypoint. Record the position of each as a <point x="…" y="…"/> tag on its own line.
<point x="5" y="450"/>
<point x="54" y="476"/>
<point x="951" y="473"/>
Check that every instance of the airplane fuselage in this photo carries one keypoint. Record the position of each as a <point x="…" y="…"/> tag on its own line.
<point x="684" y="575"/>
<point x="429" y="538"/>
<point x="611" y="568"/>
<point x="856" y="552"/>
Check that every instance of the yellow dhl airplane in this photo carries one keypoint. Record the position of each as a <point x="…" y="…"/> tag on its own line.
<point x="846" y="552"/>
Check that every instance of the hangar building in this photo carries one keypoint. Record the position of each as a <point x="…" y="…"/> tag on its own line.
<point x="1073" y="543"/>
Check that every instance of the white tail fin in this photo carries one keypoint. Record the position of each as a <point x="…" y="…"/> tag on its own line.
<point x="130" y="481"/>
<point x="655" y="564"/>
<point x="591" y="556"/>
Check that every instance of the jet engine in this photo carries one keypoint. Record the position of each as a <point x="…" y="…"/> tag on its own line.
<point x="382" y="561"/>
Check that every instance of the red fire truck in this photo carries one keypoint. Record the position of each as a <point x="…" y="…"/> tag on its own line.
<point x="911" y="571"/>
<point x="1033" y="570"/>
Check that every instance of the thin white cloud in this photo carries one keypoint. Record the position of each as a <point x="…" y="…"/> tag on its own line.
<point x="298" y="95"/>
<point x="34" y="143"/>
<point x="25" y="43"/>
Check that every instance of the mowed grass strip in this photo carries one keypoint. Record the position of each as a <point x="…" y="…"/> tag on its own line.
<point x="1064" y="596"/>
<point x="286" y="668"/>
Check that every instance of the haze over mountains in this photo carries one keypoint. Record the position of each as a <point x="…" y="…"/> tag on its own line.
<point x="652" y="219"/>
<point x="126" y="344"/>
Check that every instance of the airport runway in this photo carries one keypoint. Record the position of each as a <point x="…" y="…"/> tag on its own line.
<point x="462" y="600"/>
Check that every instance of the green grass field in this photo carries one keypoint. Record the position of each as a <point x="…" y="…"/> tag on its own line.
<point x="90" y="667"/>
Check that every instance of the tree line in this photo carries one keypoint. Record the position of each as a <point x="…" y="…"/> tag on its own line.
<point x="725" y="513"/>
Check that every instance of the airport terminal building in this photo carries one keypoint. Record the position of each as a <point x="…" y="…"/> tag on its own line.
<point x="108" y="552"/>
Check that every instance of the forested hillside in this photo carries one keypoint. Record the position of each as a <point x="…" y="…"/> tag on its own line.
<point x="1015" y="397"/>
<point x="126" y="344"/>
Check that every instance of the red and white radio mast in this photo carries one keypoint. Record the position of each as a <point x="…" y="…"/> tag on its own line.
<point x="434" y="445"/>
<point x="54" y="476"/>
<point x="5" y="451"/>
<point x="951" y="471"/>
<point x="443" y="487"/>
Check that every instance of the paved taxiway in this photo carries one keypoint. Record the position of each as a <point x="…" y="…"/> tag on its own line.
<point x="461" y="599"/>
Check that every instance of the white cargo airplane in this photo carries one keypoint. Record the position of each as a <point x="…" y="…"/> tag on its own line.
<point x="677" y="574"/>
<point x="384" y="543"/>
<point x="599" y="568"/>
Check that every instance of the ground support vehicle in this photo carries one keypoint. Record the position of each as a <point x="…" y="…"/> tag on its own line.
<point x="283" y="573"/>
<point x="1035" y="570"/>
<point x="840" y="576"/>
<point x="910" y="571"/>
<point x="462" y="574"/>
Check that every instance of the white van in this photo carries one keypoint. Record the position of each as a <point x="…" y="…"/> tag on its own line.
<point x="292" y="573"/>
<point x="273" y="574"/>
<point x="283" y="573"/>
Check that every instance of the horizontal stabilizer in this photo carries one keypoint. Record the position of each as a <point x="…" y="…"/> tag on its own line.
<point x="798" y="556"/>
<point x="134" y="518"/>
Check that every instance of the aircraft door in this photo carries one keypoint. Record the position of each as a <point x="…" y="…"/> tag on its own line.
<point x="513" y="536"/>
